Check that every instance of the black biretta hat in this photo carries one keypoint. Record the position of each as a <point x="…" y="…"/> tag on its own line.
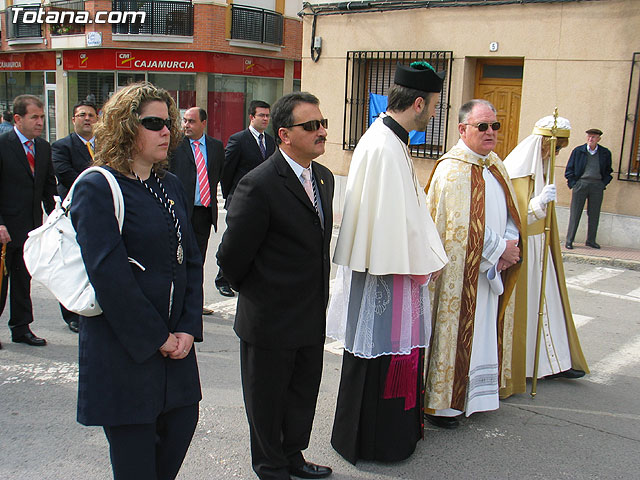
<point x="419" y="76"/>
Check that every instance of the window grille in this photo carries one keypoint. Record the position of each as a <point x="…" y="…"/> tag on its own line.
<point x="629" y="168"/>
<point x="256" y="24"/>
<point x="162" y="18"/>
<point x="373" y="72"/>
<point x="20" y="29"/>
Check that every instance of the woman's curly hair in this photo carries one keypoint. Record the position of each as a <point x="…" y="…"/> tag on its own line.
<point x="117" y="129"/>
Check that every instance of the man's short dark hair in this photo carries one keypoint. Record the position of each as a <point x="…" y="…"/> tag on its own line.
<point x="202" y="113"/>
<point x="21" y="102"/>
<point x="255" y="104"/>
<point x="282" y="111"/>
<point x="7" y="116"/>
<point x="84" y="103"/>
<point x="401" y="98"/>
<point x="465" y="110"/>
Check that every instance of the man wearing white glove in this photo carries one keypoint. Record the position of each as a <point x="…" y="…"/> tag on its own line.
<point x="560" y="352"/>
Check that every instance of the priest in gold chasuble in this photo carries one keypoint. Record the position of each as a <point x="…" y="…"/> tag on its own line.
<point x="387" y="249"/>
<point x="474" y="208"/>
<point x="560" y="354"/>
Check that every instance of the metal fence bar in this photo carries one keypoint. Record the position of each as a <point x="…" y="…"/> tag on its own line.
<point x="20" y="29"/>
<point x="162" y="18"/>
<point x="630" y="151"/>
<point x="373" y="71"/>
<point x="256" y="25"/>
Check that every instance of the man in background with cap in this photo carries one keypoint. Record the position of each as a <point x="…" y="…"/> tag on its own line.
<point x="588" y="173"/>
<point x="472" y="202"/>
<point x="387" y="251"/>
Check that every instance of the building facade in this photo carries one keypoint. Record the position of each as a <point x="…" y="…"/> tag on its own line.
<point x="214" y="54"/>
<point x="526" y="56"/>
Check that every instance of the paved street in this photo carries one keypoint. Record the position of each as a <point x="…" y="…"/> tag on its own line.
<point x="589" y="428"/>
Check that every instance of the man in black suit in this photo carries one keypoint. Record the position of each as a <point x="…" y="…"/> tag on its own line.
<point x="71" y="155"/>
<point x="197" y="162"/>
<point x="26" y="183"/>
<point x="275" y="253"/>
<point x="245" y="150"/>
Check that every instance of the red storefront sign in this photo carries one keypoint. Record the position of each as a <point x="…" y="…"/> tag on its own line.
<point x="28" y="61"/>
<point x="174" y="61"/>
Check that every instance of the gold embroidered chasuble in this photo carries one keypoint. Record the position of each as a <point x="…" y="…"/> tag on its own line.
<point x="524" y="189"/>
<point x="456" y="201"/>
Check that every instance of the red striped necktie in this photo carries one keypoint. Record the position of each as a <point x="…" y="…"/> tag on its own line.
<point x="203" y="177"/>
<point x="30" y="157"/>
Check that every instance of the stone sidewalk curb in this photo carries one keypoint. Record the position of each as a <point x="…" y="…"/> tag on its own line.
<point x="601" y="260"/>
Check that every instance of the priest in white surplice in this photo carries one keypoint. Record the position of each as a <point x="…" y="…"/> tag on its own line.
<point x="560" y="352"/>
<point x="387" y="249"/>
<point x="473" y="205"/>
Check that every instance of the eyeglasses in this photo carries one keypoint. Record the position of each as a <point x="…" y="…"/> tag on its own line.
<point x="262" y="115"/>
<point x="83" y="115"/>
<point x="155" y="124"/>
<point x="312" y="125"/>
<point x="484" y="126"/>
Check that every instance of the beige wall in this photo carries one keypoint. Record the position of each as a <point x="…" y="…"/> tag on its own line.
<point x="577" y="56"/>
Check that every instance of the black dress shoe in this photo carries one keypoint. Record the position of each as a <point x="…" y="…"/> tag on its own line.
<point x="310" y="470"/>
<point x="30" y="339"/>
<point x="442" y="422"/>
<point x="571" y="373"/>
<point x="74" y="326"/>
<point x="226" y="291"/>
<point x="0" y="345"/>
<point x="568" y="245"/>
<point x="592" y="245"/>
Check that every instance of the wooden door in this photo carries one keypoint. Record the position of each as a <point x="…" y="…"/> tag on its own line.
<point x="500" y="82"/>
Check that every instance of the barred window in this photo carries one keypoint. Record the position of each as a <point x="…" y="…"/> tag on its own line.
<point x="630" y="156"/>
<point x="369" y="76"/>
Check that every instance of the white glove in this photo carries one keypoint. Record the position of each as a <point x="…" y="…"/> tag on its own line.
<point x="548" y="194"/>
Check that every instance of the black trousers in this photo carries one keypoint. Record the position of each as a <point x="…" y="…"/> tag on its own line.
<point x="152" y="451"/>
<point x="68" y="316"/>
<point x="280" y="390"/>
<point x="20" y="308"/>
<point x="201" y="220"/>
<point x="592" y="193"/>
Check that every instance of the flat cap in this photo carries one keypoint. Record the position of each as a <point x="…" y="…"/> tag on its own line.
<point x="594" y="131"/>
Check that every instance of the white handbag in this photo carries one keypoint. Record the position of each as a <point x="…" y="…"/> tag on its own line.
<point x="52" y="254"/>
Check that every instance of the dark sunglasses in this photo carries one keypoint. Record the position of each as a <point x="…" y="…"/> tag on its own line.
<point x="312" y="125"/>
<point x="484" y="126"/>
<point x="155" y="123"/>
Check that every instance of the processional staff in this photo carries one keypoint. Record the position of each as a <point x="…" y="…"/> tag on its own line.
<point x="547" y="240"/>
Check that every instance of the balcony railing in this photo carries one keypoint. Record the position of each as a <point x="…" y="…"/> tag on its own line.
<point x="256" y="25"/>
<point x="67" y="11"/>
<point x="20" y="29"/>
<point x="162" y="18"/>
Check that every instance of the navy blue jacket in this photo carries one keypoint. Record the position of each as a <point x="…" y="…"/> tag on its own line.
<point x="123" y="377"/>
<point x="578" y="162"/>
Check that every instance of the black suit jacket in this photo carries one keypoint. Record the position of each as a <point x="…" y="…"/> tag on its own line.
<point x="240" y="157"/>
<point x="182" y="163"/>
<point x="578" y="162"/>
<point x="22" y="194"/>
<point x="70" y="157"/>
<point x="276" y="254"/>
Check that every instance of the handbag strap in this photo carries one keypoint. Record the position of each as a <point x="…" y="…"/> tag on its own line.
<point x="116" y="192"/>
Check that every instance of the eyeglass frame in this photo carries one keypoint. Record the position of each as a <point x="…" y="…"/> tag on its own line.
<point x="488" y="124"/>
<point x="312" y="123"/>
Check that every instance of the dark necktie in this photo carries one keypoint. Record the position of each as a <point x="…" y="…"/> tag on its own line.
<point x="263" y="150"/>
<point x="30" y="157"/>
